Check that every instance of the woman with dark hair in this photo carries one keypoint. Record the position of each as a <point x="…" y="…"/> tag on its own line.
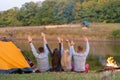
<point x="56" y="56"/>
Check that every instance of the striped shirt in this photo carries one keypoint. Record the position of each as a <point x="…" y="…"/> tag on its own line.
<point x="80" y="58"/>
<point x="42" y="59"/>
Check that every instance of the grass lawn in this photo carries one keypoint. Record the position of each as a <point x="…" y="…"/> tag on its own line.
<point x="62" y="76"/>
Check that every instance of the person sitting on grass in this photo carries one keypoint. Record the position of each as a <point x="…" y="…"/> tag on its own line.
<point x="42" y="56"/>
<point x="66" y="59"/>
<point x="80" y="57"/>
<point x="56" y="56"/>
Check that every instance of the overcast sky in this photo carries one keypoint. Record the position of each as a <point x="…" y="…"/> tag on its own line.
<point x="7" y="4"/>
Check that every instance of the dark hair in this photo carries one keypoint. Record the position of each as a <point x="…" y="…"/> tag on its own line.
<point x="41" y="49"/>
<point x="5" y="39"/>
<point x="55" y="58"/>
<point x="80" y="48"/>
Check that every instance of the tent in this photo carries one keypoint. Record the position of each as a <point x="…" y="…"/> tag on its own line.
<point x="86" y="23"/>
<point x="12" y="60"/>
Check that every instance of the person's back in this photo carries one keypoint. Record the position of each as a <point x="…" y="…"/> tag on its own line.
<point x="42" y="56"/>
<point x="56" y="57"/>
<point x="56" y="60"/>
<point x="43" y="63"/>
<point x="80" y="57"/>
<point x="79" y="62"/>
<point x="66" y="61"/>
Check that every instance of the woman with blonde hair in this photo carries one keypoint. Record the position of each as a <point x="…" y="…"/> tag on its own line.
<point x="66" y="59"/>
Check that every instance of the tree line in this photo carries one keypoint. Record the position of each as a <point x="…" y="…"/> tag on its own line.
<point x="61" y="12"/>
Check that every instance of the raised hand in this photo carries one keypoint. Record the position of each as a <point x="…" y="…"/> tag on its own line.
<point x="29" y="38"/>
<point x="68" y="42"/>
<point x="72" y="43"/>
<point x="59" y="39"/>
<point x="44" y="38"/>
<point x="43" y="35"/>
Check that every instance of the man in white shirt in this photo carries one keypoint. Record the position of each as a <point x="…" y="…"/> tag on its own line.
<point x="42" y="56"/>
<point x="80" y="56"/>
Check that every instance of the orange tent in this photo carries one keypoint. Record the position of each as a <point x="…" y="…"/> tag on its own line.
<point x="12" y="60"/>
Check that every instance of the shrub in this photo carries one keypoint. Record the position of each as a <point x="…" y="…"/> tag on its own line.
<point x="115" y="33"/>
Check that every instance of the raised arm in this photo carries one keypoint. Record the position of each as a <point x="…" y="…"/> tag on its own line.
<point x="68" y="42"/>
<point x="62" y="49"/>
<point x="87" y="46"/>
<point x="69" y="45"/>
<point x="59" y="43"/>
<point x="32" y="47"/>
<point x="45" y="43"/>
<point x="51" y="54"/>
<point x="72" y="51"/>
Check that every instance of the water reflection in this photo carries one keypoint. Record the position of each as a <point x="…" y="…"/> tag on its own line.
<point x="105" y="48"/>
<point x="102" y="48"/>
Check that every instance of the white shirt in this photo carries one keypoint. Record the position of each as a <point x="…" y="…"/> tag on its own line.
<point x="42" y="59"/>
<point x="80" y="58"/>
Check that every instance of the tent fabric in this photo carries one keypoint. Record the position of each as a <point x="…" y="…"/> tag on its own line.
<point x="16" y="70"/>
<point x="11" y="58"/>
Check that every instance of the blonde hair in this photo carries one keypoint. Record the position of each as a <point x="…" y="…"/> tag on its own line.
<point x="65" y="59"/>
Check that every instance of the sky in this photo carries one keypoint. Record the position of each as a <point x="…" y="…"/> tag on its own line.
<point x="7" y="4"/>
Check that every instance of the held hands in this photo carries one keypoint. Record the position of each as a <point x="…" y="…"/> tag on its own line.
<point x="29" y="38"/>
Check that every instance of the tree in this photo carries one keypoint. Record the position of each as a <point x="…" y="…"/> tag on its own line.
<point x="27" y="13"/>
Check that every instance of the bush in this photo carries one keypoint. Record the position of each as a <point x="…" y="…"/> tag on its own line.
<point x="115" y="33"/>
<point x="94" y="62"/>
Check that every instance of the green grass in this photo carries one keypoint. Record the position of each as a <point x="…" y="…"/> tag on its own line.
<point x="62" y="76"/>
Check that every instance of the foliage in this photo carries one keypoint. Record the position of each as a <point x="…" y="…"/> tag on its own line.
<point x="115" y="33"/>
<point x="93" y="61"/>
<point x="61" y="12"/>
